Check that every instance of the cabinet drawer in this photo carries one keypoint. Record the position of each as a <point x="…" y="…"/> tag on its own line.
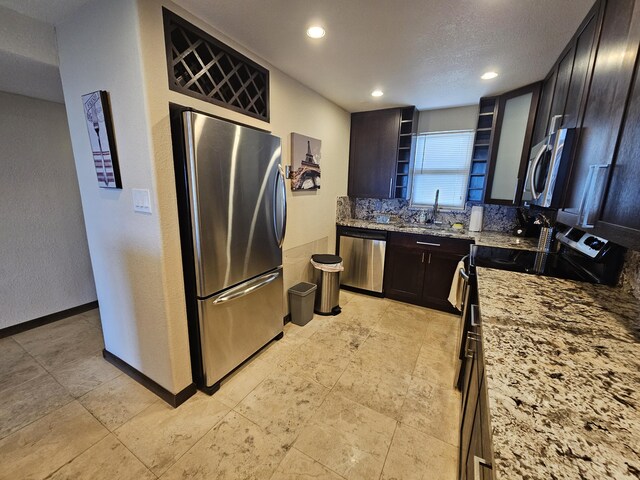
<point x="430" y="242"/>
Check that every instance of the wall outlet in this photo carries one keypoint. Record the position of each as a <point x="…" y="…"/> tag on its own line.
<point x="141" y="200"/>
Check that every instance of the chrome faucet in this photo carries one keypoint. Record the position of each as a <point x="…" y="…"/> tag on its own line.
<point x="434" y="213"/>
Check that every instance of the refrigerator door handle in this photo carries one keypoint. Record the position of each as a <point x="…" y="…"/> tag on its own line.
<point x="246" y="288"/>
<point x="280" y="229"/>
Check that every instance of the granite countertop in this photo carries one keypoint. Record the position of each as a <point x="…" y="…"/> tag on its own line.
<point x="562" y="371"/>
<point x="491" y="239"/>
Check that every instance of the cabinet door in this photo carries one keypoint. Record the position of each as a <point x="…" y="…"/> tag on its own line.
<point x="440" y="270"/>
<point x="373" y="153"/>
<point x="608" y="92"/>
<point x="582" y="65"/>
<point x="619" y="216"/>
<point x="469" y="404"/>
<point x="511" y="144"/>
<point x="544" y="108"/>
<point x="404" y="274"/>
<point x="563" y="78"/>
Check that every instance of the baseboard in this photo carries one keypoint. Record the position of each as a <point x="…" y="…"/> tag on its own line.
<point x="53" y="317"/>
<point x="173" y="399"/>
<point x="287" y="318"/>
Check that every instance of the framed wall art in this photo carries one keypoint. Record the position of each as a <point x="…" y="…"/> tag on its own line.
<point x="97" y="113"/>
<point x="305" y="162"/>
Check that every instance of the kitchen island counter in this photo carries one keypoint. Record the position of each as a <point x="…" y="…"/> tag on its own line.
<point x="563" y="377"/>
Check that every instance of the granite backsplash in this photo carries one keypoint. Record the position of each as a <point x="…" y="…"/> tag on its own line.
<point x="631" y="273"/>
<point x="496" y="217"/>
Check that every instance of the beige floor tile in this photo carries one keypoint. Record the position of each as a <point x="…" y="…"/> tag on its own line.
<point x="318" y="322"/>
<point x="298" y="466"/>
<point x="160" y="434"/>
<point x="364" y="310"/>
<point x="436" y="366"/>
<point x="346" y="296"/>
<point x="380" y="390"/>
<point x="106" y="460"/>
<point x="92" y="317"/>
<point x="442" y="337"/>
<point x="234" y="448"/>
<point x="241" y="382"/>
<point x="283" y="404"/>
<point x="388" y="353"/>
<point x="432" y="410"/>
<point x="403" y="323"/>
<point x="85" y="374"/>
<point x="350" y="439"/>
<point x="17" y="365"/>
<point x="42" y="447"/>
<point x="61" y="342"/>
<point x="29" y="401"/>
<point x="118" y="400"/>
<point x="415" y="455"/>
<point x="321" y="363"/>
<point x="342" y="334"/>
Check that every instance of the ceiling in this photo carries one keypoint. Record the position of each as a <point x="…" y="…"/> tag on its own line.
<point x="428" y="53"/>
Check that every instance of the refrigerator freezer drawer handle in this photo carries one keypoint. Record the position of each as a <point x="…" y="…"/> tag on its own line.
<point x="246" y="288"/>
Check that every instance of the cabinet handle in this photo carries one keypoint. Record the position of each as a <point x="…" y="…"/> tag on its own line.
<point x="422" y="257"/>
<point x="391" y="187"/>
<point x="429" y="258"/>
<point x="593" y="195"/>
<point x="467" y="345"/>
<point x="474" y="323"/>
<point x="477" y="463"/>
<point x="428" y="244"/>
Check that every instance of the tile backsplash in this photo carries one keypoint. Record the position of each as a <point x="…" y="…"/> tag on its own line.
<point x="496" y="217"/>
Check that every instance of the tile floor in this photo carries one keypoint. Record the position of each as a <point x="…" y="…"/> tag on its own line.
<point x="364" y="395"/>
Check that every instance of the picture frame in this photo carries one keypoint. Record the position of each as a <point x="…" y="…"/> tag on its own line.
<point x="305" y="162"/>
<point x="97" y="113"/>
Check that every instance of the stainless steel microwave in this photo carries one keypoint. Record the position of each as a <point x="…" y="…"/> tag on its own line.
<point x="549" y="164"/>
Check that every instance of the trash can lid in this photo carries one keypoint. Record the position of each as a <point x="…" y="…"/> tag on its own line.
<point x="303" y="288"/>
<point x="325" y="258"/>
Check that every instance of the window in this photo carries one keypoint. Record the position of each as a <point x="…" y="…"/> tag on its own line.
<point x="442" y="163"/>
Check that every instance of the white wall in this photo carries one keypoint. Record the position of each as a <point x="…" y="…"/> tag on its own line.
<point x="44" y="259"/>
<point x="118" y="46"/>
<point x="440" y="120"/>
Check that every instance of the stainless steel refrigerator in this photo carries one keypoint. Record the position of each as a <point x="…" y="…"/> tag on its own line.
<point x="232" y="205"/>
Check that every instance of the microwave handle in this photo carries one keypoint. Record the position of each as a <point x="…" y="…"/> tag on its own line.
<point x="532" y="173"/>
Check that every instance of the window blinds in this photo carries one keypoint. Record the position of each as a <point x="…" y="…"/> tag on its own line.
<point x="442" y="163"/>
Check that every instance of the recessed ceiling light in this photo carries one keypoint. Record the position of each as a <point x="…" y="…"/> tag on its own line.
<point x="377" y="93"/>
<point x="315" y="32"/>
<point x="489" y="75"/>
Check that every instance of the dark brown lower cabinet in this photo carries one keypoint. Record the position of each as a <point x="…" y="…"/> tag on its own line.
<point x="476" y="456"/>
<point x="420" y="268"/>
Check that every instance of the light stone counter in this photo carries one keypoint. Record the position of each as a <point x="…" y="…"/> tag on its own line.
<point x="563" y="376"/>
<point x="490" y="239"/>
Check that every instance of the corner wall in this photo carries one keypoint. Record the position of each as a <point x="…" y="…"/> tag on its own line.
<point x="44" y="259"/>
<point x="293" y="108"/>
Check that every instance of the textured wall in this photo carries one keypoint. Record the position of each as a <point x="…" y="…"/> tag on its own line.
<point x="44" y="259"/>
<point x="444" y="119"/>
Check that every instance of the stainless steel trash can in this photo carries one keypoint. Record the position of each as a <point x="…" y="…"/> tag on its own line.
<point x="328" y="293"/>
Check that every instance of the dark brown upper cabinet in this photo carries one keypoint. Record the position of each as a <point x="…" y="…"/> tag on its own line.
<point x="602" y="190"/>
<point x="380" y="153"/>
<point x="510" y="145"/>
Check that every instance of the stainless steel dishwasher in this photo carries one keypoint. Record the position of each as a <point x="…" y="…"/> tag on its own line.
<point x="363" y="253"/>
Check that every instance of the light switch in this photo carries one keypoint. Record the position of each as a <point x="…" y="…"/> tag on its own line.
<point x="141" y="200"/>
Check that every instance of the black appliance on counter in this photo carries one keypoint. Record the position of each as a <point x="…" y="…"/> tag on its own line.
<point x="580" y="256"/>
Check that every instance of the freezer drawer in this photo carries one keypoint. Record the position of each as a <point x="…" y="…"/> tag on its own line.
<point x="363" y="256"/>
<point x="238" y="322"/>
